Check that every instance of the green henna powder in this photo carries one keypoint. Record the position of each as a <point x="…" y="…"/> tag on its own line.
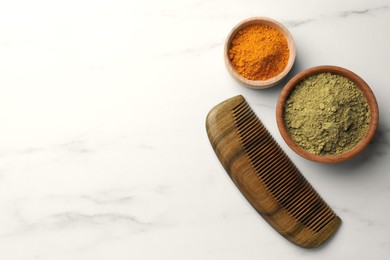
<point x="327" y="114"/>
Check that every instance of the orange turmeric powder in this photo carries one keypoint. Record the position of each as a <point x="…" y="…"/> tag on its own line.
<point x="259" y="52"/>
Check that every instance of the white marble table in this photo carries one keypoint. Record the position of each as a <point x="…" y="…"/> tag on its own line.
<point x="103" y="148"/>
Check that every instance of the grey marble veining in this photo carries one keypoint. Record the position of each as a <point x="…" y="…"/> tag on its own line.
<point x="340" y="14"/>
<point x="103" y="148"/>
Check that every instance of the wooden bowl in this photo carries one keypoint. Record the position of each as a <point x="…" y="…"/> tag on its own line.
<point x="260" y="84"/>
<point x="372" y="103"/>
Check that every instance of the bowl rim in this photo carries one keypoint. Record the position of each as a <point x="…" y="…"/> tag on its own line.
<point x="260" y="84"/>
<point x="371" y="100"/>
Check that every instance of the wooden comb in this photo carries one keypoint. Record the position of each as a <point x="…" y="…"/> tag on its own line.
<point x="266" y="177"/>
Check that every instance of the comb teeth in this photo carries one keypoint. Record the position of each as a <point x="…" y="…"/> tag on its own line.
<point x="267" y="177"/>
<point x="286" y="184"/>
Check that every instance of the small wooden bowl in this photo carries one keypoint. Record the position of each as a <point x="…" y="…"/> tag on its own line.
<point x="260" y="84"/>
<point x="372" y="103"/>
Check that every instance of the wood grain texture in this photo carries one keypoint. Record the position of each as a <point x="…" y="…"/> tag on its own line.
<point x="267" y="177"/>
